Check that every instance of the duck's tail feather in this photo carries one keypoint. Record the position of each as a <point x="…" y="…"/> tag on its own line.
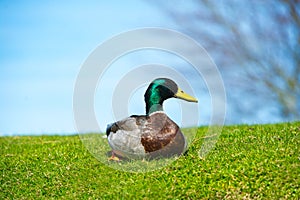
<point x="113" y="127"/>
<point x="108" y="129"/>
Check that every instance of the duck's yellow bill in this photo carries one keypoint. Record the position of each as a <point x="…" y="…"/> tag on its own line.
<point x="182" y="95"/>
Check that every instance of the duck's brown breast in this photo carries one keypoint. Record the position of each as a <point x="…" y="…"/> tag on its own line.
<point x="162" y="137"/>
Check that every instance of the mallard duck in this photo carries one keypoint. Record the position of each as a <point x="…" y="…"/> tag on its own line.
<point x="153" y="135"/>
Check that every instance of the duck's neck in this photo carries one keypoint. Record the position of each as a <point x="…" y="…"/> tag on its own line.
<point x="151" y="108"/>
<point x="153" y="101"/>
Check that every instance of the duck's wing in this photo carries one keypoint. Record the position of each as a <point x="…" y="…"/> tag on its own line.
<point x="131" y="123"/>
<point x="124" y="136"/>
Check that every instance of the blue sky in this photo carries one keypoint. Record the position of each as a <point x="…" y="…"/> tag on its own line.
<point x="43" y="45"/>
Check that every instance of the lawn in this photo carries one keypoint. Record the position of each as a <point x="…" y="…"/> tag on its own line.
<point x="247" y="162"/>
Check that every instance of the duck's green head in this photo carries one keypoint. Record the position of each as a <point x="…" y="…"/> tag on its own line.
<point x="161" y="89"/>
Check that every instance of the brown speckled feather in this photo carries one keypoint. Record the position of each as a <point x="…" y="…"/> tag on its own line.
<point x="162" y="137"/>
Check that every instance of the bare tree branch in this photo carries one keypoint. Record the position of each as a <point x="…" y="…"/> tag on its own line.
<point x="258" y="39"/>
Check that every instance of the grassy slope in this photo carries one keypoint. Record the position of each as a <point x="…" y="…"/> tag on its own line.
<point x="261" y="161"/>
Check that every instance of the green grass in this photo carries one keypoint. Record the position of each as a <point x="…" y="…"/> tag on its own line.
<point x="248" y="162"/>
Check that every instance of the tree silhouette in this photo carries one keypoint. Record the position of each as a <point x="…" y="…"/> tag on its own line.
<point x="255" y="44"/>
